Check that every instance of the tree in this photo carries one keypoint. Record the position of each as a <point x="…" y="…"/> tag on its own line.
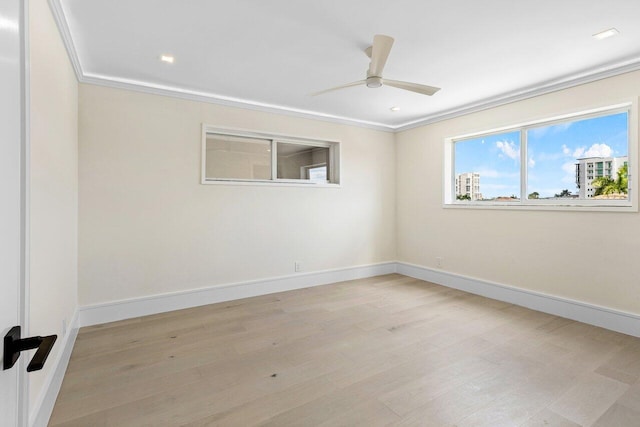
<point x="463" y="197"/>
<point x="623" y="178"/>
<point x="607" y="185"/>
<point x="604" y="185"/>
<point x="564" y="193"/>
<point x="534" y="195"/>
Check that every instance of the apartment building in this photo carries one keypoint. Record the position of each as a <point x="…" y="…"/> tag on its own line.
<point x="468" y="184"/>
<point x="590" y="168"/>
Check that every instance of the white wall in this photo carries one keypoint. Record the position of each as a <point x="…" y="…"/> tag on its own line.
<point x="54" y="186"/>
<point x="147" y="225"/>
<point x="586" y="256"/>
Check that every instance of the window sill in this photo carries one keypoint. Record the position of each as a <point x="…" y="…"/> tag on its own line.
<point x="269" y="183"/>
<point x="626" y="207"/>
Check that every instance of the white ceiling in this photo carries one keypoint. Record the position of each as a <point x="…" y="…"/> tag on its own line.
<point x="274" y="53"/>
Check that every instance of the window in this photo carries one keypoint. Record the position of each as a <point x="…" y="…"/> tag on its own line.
<point x="578" y="160"/>
<point x="296" y="161"/>
<point x="246" y="157"/>
<point x="235" y="157"/>
<point x="497" y="180"/>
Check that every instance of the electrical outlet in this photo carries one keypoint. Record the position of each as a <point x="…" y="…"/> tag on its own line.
<point x="439" y="262"/>
<point x="297" y="266"/>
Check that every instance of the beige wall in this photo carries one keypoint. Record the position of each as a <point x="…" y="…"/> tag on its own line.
<point x="54" y="185"/>
<point x="147" y="225"/>
<point x="586" y="256"/>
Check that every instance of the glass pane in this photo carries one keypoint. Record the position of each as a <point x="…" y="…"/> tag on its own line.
<point x="581" y="159"/>
<point x="487" y="168"/>
<point x="235" y="157"/>
<point x="297" y="161"/>
<point x="317" y="173"/>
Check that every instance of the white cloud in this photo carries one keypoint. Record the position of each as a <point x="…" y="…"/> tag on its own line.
<point x="569" y="169"/>
<point x="599" y="150"/>
<point x="539" y="132"/>
<point x="596" y="150"/>
<point x="509" y="149"/>
<point x="532" y="162"/>
<point x="562" y="127"/>
<point x="578" y="152"/>
<point x="566" y="150"/>
<point x="554" y="129"/>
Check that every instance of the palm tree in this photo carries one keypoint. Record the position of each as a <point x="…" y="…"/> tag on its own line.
<point x="564" y="193"/>
<point x="607" y="185"/>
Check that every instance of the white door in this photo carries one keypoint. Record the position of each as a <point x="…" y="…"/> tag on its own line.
<point x="11" y="196"/>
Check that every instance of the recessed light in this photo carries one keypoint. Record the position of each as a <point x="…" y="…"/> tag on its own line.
<point x="394" y="109"/>
<point x="167" y="58"/>
<point x="606" y="34"/>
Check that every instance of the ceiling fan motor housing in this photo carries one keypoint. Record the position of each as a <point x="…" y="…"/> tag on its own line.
<point x="374" y="81"/>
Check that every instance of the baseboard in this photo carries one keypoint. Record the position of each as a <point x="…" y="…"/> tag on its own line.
<point x="603" y="317"/>
<point x="135" y="307"/>
<point x="40" y="413"/>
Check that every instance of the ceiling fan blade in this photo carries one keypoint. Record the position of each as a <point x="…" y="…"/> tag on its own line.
<point x="413" y="87"/>
<point x="379" y="54"/>
<point x="359" y="82"/>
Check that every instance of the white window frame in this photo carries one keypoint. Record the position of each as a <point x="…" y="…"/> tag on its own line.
<point x="630" y="205"/>
<point x="334" y="158"/>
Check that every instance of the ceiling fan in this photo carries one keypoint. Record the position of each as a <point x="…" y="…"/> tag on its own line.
<point x="379" y="53"/>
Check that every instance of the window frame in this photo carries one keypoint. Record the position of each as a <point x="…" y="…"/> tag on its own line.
<point x="334" y="158"/>
<point x="630" y="205"/>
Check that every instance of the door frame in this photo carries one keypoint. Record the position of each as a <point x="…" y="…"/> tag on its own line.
<point x="16" y="107"/>
<point x="23" y="309"/>
<point x="25" y="171"/>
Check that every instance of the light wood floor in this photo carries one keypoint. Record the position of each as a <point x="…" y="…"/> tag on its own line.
<point x="389" y="350"/>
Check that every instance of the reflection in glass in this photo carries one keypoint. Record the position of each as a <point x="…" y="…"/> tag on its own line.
<point x="235" y="157"/>
<point x="298" y="161"/>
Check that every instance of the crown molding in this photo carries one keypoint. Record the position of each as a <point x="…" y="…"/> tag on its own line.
<point x="192" y="95"/>
<point x="566" y="82"/>
<point x="576" y="79"/>
<point x="65" y="33"/>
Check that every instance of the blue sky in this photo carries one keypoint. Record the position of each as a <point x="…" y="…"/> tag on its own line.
<point x="552" y="151"/>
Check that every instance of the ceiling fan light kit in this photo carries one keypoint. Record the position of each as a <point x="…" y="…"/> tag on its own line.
<point x="379" y="52"/>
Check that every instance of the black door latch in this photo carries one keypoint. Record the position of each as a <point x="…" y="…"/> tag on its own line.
<point x="13" y="345"/>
